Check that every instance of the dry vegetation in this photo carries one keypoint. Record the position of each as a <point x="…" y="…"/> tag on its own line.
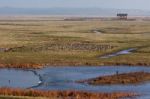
<point x="60" y="94"/>
<point x="35" y="42"/>
<point x="125" y="78"/>
<point x="22" y="97"/>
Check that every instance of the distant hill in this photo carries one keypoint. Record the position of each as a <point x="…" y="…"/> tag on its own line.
<point x="71" y="11"/>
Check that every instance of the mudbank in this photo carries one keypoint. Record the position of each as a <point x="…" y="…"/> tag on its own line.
<point x="124" y="78"/>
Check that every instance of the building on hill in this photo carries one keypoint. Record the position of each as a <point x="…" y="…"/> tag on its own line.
<point x="122" y="16"/>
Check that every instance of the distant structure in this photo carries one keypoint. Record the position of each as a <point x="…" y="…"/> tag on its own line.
<point x="122" y="16"/>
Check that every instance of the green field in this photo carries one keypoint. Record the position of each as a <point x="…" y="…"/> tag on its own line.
<point x="34" y="43"/>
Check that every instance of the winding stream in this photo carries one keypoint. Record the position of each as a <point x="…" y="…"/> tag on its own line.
<point x="123" y="52"/>
<point x="64" y="78"/>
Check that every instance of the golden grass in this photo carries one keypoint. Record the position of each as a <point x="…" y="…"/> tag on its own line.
<point x="30" y="42"/>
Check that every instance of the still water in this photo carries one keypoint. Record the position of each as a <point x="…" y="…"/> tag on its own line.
<point x="17" y="78"/>
<point x="64" y="78"/>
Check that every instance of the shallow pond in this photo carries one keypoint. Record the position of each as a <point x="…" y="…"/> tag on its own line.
<point x="17" y="78"/>
<point x="63" y="78"/>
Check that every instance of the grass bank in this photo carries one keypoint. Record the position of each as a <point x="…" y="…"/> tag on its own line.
<point x="31" y="94"/>
<point x="124" y="78"/>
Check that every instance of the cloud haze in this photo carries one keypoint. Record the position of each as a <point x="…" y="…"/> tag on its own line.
<point x="119" y="4"/>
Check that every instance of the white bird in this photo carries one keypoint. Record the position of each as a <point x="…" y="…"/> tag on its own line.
<point x="40" y="82"/>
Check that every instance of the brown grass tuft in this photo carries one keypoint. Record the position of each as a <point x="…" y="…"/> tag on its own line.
<point x="63" y="94"/>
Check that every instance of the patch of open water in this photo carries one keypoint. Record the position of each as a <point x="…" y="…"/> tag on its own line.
<point x="17" y="78"/>
<point x="64" y="78"/>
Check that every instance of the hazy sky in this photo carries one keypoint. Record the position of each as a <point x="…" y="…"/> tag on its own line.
<point x="125" y="4"/>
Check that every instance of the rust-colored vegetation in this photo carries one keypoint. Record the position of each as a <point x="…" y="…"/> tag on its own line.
<point x="63" y="94"/>
<point x="124" y="78"/>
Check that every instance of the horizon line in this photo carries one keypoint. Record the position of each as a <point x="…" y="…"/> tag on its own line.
<point x="74" y="8"/>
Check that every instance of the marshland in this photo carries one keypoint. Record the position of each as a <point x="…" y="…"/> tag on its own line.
<point x="57" y="52"/>
<point x="30" y="43"/>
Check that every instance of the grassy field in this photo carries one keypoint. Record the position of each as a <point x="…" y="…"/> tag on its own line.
<point x="34" y="43"/>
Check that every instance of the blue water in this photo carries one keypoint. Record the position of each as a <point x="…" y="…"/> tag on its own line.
<point x="17" y="78"/>
<point x="64" y="78"/>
